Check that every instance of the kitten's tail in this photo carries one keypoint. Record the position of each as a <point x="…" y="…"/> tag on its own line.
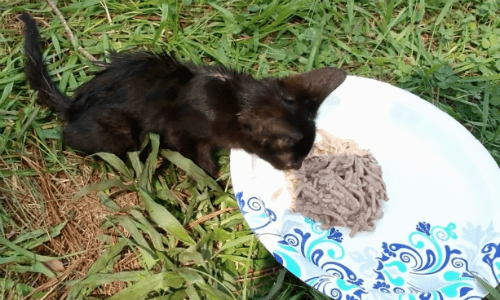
<point x="37" y="75"/>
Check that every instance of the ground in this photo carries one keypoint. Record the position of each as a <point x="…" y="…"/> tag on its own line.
<point x="447" y="52"/>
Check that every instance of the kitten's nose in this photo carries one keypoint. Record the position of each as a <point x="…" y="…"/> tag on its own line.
<point x="294" y="165"/>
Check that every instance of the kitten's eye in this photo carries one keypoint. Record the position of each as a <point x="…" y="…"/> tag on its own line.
<point x="287" y="100"/>
<point x="283" y="142"/>
<point x="247" y="127"/>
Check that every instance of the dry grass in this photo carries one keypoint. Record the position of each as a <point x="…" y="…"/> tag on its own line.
<point x="46" y="201"/>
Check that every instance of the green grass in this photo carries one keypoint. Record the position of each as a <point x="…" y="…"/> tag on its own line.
<point x="447" y="52"/>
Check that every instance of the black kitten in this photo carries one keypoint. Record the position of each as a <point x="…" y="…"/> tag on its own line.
<point x="193" y="109"/>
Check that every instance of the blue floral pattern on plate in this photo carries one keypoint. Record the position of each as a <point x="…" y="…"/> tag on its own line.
<point x="427" y="255"/>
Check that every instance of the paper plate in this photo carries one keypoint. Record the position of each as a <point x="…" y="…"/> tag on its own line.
<point x="440" y="225"/>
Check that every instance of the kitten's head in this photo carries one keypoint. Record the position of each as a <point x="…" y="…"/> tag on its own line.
<point x="277" y="115"/>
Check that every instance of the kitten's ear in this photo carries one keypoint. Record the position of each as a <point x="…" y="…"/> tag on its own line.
<point x="183" y="74"/>
<point x="317" y="83"/>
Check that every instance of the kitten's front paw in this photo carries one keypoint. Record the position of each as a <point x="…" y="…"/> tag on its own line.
<point x="210" y="167"/>
<point x="205" y="158"/>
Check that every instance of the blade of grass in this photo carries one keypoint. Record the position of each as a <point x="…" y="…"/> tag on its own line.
<point x="317" y="42"/>
<point x="492" y="291"/>
<point x="350" y="10"/>
<point x="283" y="14"/>
<point x="32" y="117"/>
<point x="247" y="267"/>
<point x="266" y="14"/>
<point x="226" y="13"/>
<point x="439" y="19"/>
<point x="486" y="107"/>
<point x="277" y="286"/>
<point x="388" y="28"/>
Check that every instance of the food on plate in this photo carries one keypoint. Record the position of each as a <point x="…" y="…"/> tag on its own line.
<point x="339" y="185"/>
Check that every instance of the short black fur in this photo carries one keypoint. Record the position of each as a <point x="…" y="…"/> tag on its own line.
<point x="194" y="109"/>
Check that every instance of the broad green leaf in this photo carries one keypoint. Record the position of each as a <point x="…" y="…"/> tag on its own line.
<point x="6" y="91"/>
<point x="420" y="10"/>
<point x="496" y="135"/>
<point x="146" y="177"/>
<point x="178" y="295"/>
<point x="485" y="43"/>
<point x="135" y="161"/>
<point x="37" y="237"/>
<point x="145" y="249"/>
<point x="107" y="256"/>
<point x="34" y="267"/>
<point x="99" y="186"/>
<point x="350" y="10"/>
<point x="166" y="194"/>
<point x="235" y="258"/>
<point x="215" y="294"/>
<point x="108" y="202"/>
<point x="21" y="288"/>
<point x="192" y="256"/>
<point x="193" y="277"/>
<point x="116" y="163"/>
<point x="100" y="279"/>
<point x="155" y="282"/>
<point x="191" y="293"/>
<point x="237" y="242"/>
<point x="221" y="235"/>
<point x="191" y="169"/>
<point x="165" y="219"/>
<point x="25" y="252"/>
<point x="14" y="259"/>
<point x="150" y="230"/>
<point x="190" y="276"/>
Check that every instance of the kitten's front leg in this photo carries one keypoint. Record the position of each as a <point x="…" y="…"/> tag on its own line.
<point x="205" y="158"/>
<point x="199" y="151"/>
